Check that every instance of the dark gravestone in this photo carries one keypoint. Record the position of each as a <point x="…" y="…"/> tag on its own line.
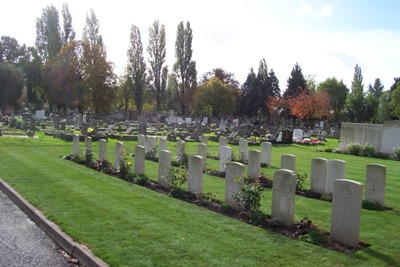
<point x="12" y="122"/>
<point x="63" y="125"/>
<point x="143" y="128"/>
<point x="287" y="136"/>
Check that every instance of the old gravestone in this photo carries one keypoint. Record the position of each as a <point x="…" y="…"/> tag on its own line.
<point x="119" y="153"/>
<point x="318" y="178"/>
<point x="88" y="142"/>
<point x="75" y="144"/>
<point x="266" y="152"/>
<point x="243" y="149"/>
<point x="164" y="165"/>
<point x="375" y="183"/>
<point x="297" y="135"/>
<point x="202" y="150"/>
<point x="141" y="140"/>
<point x="225" y="157"/>
<point x="204" y="139"/>
<point x="346" y="212"/>
<point x="102" y="150"/>
<point x="288" y="161"/>
<point x="234" y="170"/>
<point x="150" y="143"/>
<point x="283" y="196"/>
<point x="180" y="149"/>
<point x="143" y="128"/>
<point x="139" y="165"/>
<point x="56" y="122"/>
<point x="254" y="164"/>
<point x="222" y="142"/>
<point x="195" y="174"/>
<point x="162" y="144"/>
<point x="336" y="171"/>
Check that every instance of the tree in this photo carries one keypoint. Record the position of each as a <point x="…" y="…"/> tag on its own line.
<point x="172" y="93"/>
<point x="137" y="68"/>
<point x="10" y="51"/>
<point x="394" y="102"/>
<point x="214" y="98"/>
<point x="48" y="36"/>
<point x="68" y="31"/>
<point x="377" y="89"/>
<point x="99" y="80"/>
<point x="355" y="101"/>
<point x="164" y="81"/>
<point x="184" y="67"/>
<point x="310" y="105"/>
<point x="157" y="53"/>
<point x="338" y="92"/>
<point x="371" y="105"/>
<point x="296" y="83"/>
<point x="91" y="30"/>
<point x="11" y="85"/>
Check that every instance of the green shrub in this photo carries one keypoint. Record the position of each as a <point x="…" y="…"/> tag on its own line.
<point x="371" y="205"/>
<point x="301" y="179"/>
<point x="354" y="148"/>
<point x="140" y="179"/>
<point x="396" y="153"/>
<point x="249" y="196"/>
<point x="88" y="158"/>
<point x="177" y="176"/>
<point x="313" y="237"/>
<point x="124" y="167"/>
<point x="151" y="154"/>
<point x="368" y="151"/>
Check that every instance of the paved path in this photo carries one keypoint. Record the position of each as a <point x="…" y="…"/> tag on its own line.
<point x="22" y="242"/>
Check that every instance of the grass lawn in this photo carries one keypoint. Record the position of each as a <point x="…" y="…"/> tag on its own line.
<point x="128" y="225"/>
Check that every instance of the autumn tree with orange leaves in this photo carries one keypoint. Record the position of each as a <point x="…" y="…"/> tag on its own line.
<point x="310" y="105"/>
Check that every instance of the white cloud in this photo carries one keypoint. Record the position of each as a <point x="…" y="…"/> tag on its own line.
<point x="302" y="11"/>
<point x="326" y="11"/>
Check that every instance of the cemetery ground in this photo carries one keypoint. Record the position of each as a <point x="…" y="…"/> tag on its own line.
<point x="128" y="225"/>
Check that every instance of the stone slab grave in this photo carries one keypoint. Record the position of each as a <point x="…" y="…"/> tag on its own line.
<point x="234" y="170"/>
<point x="102" y="150"/>
<point x="297" y="135"/>
<point x="162" y="144"/>
<point x="288" y="162"/>
<point x="75" y="144"/>
<point x="164" y="165"/>
<point x="254" y="164"/>
<point x="195" y="174"/>
<point x="221" y="142"/>
<point x="243" y="149"/>
<point x="319" y="172"/>
<point x="283" y="196"/>
<point x="225" y="157"/>
<point x="336" y="171"/>
<point x="150" y="143"/>
<point x="119" y="153"/>
<point x="88" y="142"/>
<point x="139" y="164"/>
<point x="266" y="152"/>
<point x="375" y="183"/>
<point x="202" y="150"/>
<point x="180" y="149"/>
<point x="204" y="139"/>
<point x="346" y="212"/>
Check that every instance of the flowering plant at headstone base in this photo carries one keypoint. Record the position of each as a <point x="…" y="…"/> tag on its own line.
<point x="90" y="131"/>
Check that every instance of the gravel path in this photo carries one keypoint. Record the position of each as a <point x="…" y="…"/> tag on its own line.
<point x="22" y="242"/>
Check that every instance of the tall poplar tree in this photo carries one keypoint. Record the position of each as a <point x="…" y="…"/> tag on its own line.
<point x="355" y="101"/>
<point x="137" y="68"/>
<point x="91" y="30"/>
<point x="184" y="67"/>
<point x="296" y="83"/>
<point x="68" y="30"/>
<point x="157" y="53"/>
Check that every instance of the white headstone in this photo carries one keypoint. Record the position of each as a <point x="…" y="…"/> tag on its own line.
<point x="139" y="165"/>
<point x="283" y="196"/>
<point x="254" y="165"/>
<point x="375" y="183"/>
<point x="180" y="149"/>
<point x="346" y="212"/>
<point x="162" y="144"/>
<point x="188" y="121"/>
<point x="222" y="125"/>
<point x="204" y="139"/>
<point x="102" y="150"/>
<point x="180" y="120"/>
<point x="234" y="170"/>
<point x="266" y="152"/>
<point x="119" y="153"/>
<point x="84" y="118"/>
<point x="40" y="114"/>
<point x="319" y="172"/>
<point x="88" y="142"/>
<point x="336" y="171"/>
<point x="243" y="149"/>
<point x="75" y="144"/>
<point x="164" y="165"/>
<point x="202" y="150"/>
<point x="222" y="142"/>
<point x="297" y="135"/>
<point x="150" y="143"/>
<point x="225" y="157"/>
<point x="205" y="120"/>
<point x="288" y="162"/>
<point x="195" y="174"/>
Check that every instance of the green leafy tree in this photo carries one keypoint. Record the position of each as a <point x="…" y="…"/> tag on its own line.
<point x="48" y="35"/>
<point x="355" y="101"/>
<point x="172" y="93"/>
<point x="137" y="68"/>
<point x="157" y="53"/>
<point x="184" y="67"/>
<point x="371" y="105"/>
<point x="296" y="83"/>
<point x="377" y="89"/>
<point x="394" y="102"/>
<point x="214" y="98"/>
<point x="91" y="29"/>
<point x="383" y="110"/>
<point x="68" y="32"/>
<point x="338" y="92"/>
<point x="164" y="83"/>
<point x="11" y="85"/>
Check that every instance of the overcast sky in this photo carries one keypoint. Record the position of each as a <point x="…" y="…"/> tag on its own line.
<point x="326" y="38"/>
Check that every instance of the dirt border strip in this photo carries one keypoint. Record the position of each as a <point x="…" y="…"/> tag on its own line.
<point x="74" y="249"/>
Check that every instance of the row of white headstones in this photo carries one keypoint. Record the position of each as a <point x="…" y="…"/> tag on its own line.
<point x="327" y="177"/>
